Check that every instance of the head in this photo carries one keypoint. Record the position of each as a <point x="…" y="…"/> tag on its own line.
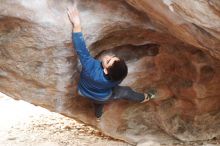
<point x="114" y="67"/>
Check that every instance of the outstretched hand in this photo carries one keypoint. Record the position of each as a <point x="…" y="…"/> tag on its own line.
<point x="73" y="14"/>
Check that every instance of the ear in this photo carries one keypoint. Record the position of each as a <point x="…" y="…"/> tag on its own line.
<point x="105" y="71"/>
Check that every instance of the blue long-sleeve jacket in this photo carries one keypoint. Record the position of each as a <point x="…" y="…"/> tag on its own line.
<point x="93" y="83"/>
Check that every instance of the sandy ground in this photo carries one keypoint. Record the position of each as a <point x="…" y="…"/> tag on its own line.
<point x="23" y="124"/>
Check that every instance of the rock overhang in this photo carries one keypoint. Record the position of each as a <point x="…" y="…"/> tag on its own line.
<point x="164" y="48"/>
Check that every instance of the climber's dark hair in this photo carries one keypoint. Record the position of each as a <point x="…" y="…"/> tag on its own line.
<point x="118" y="71"/>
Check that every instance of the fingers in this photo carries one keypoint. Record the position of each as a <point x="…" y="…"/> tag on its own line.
<point x="70" y="11"/>
<point x="74" y="6"/>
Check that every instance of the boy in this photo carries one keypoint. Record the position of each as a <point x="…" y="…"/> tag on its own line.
<point x="99" y="80"/>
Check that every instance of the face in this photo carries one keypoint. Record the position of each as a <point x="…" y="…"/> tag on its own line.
<point x="108" y="60"/>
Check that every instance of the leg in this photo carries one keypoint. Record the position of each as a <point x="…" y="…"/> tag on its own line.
<point x="98" y="106"/>
<point x="125" y="92"/>
<point x="98" y="109"/>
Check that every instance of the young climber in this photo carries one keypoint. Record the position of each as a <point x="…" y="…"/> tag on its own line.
<point x="99" y="80"/>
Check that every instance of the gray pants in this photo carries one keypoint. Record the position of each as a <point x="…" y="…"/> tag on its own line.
<point x="118" y="92"/>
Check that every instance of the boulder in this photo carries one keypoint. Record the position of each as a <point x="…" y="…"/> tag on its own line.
<point x="169" y="45"/>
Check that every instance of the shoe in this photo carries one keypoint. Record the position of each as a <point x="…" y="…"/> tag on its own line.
<point x="98" y="111"/>
<point x="98" y="119"/>
<point x="151" y="94"/>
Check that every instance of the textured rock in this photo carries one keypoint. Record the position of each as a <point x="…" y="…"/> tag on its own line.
<point x="171" y="45"/>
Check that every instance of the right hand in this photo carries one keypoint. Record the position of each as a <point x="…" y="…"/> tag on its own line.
<point x="73" y="14"/>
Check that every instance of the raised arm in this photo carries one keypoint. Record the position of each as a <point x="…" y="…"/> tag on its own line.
<point x="77" y="37"/>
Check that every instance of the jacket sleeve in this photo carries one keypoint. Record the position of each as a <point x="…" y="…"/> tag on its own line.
<point x="85" y="58"/>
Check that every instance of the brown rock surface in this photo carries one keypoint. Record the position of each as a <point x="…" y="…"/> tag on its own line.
<point x="171" y="45"/>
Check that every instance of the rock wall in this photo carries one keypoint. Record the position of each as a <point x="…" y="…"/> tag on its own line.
<point x="170" y="45"/>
